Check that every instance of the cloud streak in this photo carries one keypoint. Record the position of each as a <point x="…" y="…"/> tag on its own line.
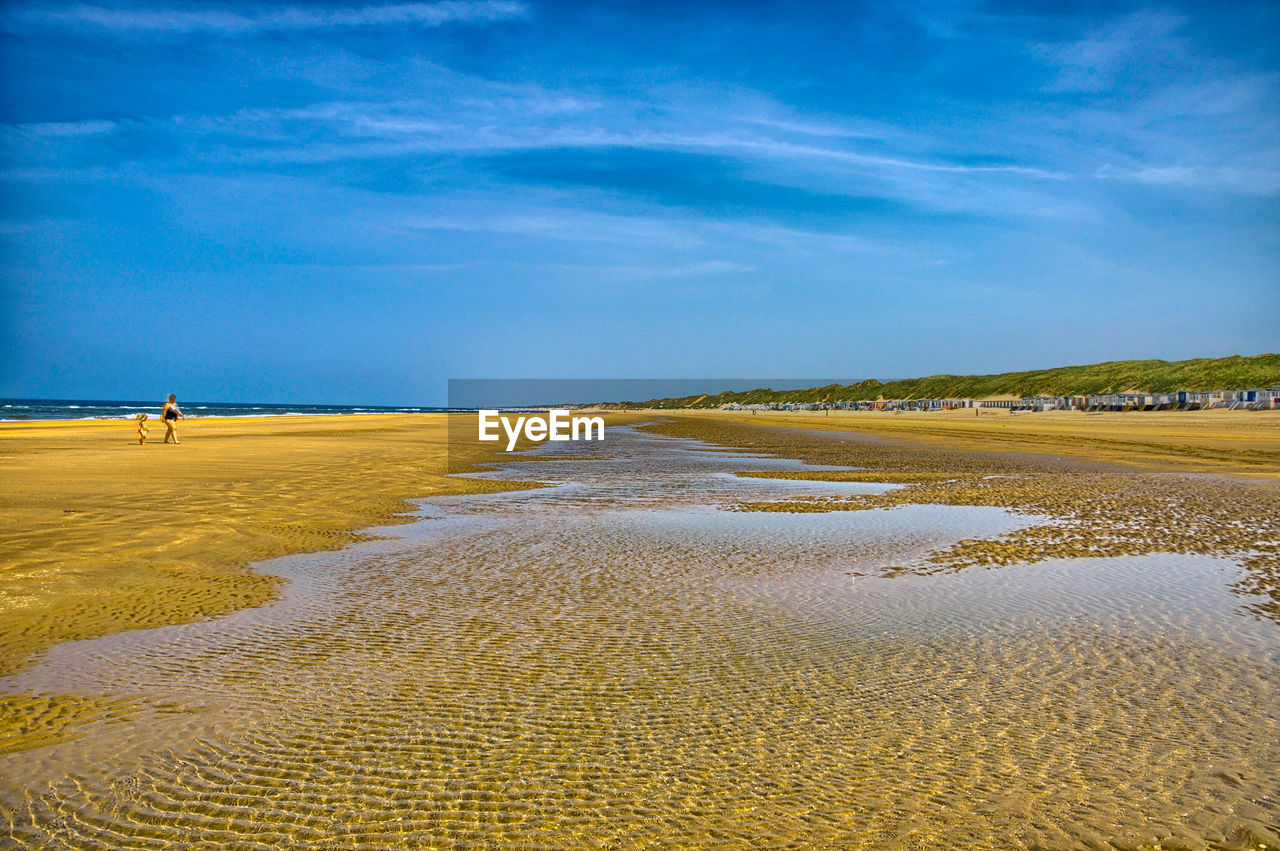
<point x="443" y="124"/>
<point x="228" y="21"/>
<point x="63" y="129"/>
<point x="1092" y="64"/>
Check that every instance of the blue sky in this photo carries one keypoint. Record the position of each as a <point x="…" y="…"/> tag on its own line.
<point x="354" y="203"/>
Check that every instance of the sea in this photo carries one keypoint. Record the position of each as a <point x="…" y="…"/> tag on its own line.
<point x="82" y="409"/>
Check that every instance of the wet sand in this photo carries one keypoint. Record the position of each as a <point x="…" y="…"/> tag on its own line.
<point x="1103" y="486"/>
<point x="657" y="651"/>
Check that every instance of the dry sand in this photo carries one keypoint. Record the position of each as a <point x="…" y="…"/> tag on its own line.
<point x="101" y="535"/>
<point x="1236" y="443"/>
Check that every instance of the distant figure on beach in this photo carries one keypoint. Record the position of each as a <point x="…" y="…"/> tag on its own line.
<point x="171" y="414"/>
<point x="142" y="429"/>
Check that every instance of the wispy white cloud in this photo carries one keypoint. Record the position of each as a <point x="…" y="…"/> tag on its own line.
<point x="34" y="142"/>
<point x="1218" y="133"/>
<point x="800" y="242"/>
<point x="64" y="129"/>
<point x="233" y="21"/>
<point x="1261" y="181"/>
<point x="565" y="225"/>
<point x="767" y="146"/>
<point x="1152" y="175"/>
<point x="699" y="269"/>
<point x="376" y="267"/>
<point x="1055" y="159"/>
<point x="1092" y="64"/>
<point x="346" y="131"/>
<point x="706" y="267"/>
<point x="545" y="217"/>
<point x="817" y="128"/>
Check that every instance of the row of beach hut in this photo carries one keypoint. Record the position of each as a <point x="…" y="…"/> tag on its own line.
<point x="1253" y="398"/>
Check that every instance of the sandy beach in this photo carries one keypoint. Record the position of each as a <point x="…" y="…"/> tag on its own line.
<point x="697" y="642"/>
<point x="102" y="535"/>
<point x="1235" y="443"/>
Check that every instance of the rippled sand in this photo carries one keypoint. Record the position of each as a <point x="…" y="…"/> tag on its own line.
<point x="614" y="662"/>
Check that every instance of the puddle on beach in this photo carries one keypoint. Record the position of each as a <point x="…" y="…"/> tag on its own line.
<point x="613" y="662"/>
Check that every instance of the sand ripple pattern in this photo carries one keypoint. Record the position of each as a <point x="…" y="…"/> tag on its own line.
<point x="614" y="664"/>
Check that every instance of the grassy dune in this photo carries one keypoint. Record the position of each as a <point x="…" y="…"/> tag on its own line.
<point x="1154" y="376"/>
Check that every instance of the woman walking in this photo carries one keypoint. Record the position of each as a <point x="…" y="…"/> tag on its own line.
<point x="171" y="414"/>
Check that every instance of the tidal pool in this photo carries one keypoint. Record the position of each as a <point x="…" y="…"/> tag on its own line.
<point x="616" y="662"/>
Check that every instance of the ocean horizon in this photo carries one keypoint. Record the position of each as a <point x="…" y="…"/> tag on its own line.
<point x="20" y="410"/>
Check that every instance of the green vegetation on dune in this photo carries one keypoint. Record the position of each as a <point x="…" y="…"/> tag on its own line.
<point x="1152" y="376"/>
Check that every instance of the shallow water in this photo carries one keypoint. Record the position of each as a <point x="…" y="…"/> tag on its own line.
<point x="615" y="662"/>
